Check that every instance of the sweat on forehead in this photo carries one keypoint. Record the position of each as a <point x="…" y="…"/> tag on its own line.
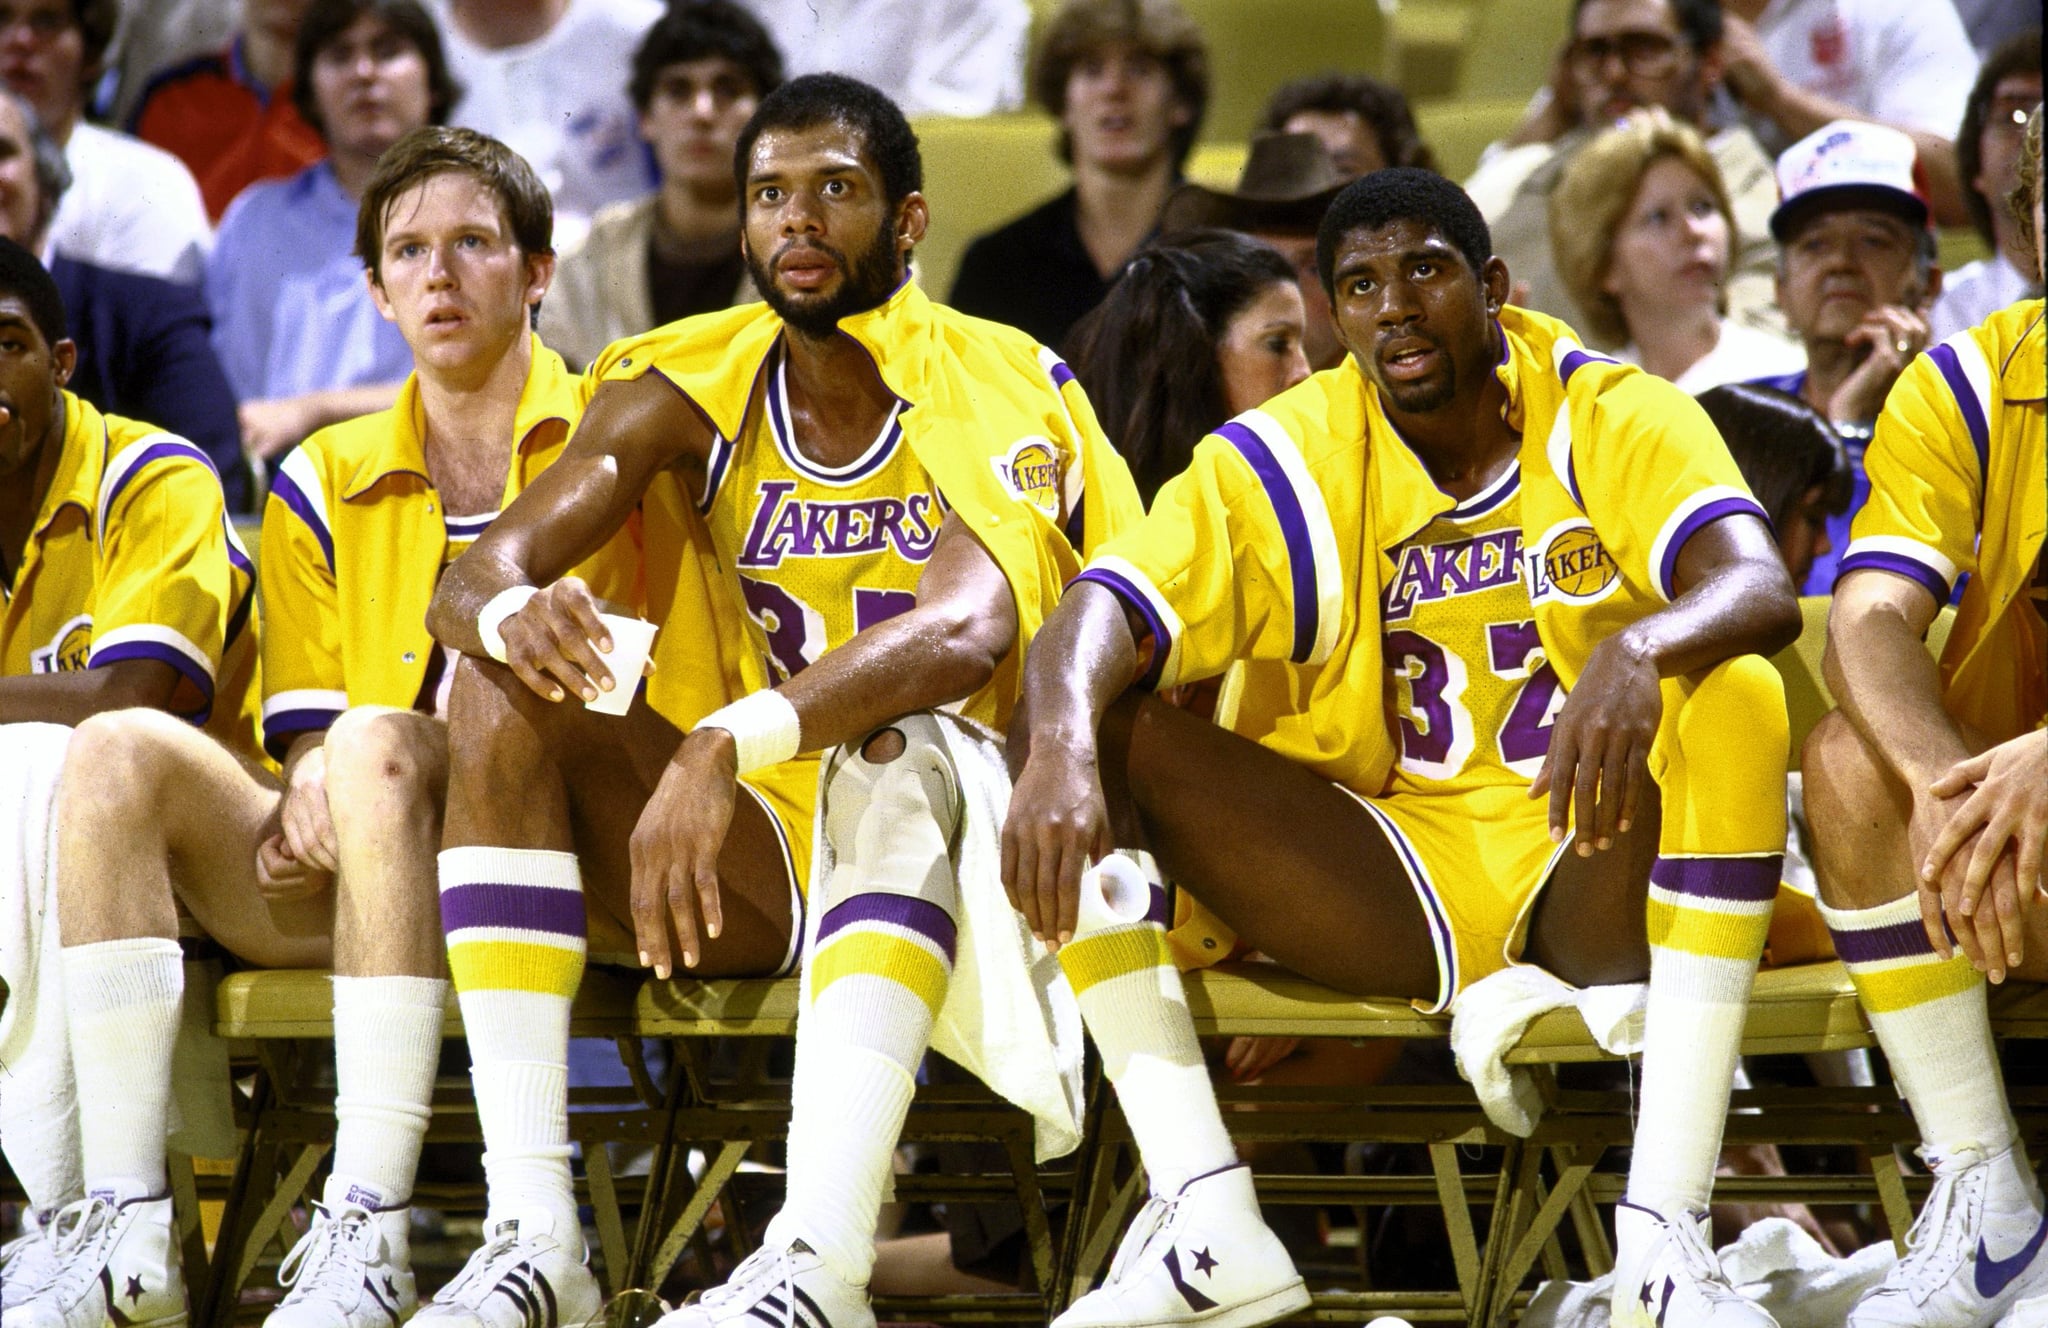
<point x="1403" y="193"/>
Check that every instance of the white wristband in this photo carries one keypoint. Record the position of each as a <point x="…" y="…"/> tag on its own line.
<point x="493" y="615"/>
<point x="764" y="728"/>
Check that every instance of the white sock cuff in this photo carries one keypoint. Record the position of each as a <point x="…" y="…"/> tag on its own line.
<point x="105" y="976"/>
<point x="398" y="992"/>
<point x="1906" y="908"/>
<point x="479" y="864"/>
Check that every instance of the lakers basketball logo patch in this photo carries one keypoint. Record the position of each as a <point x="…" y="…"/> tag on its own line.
<point x="1570" y="563"/>
<point x="68" y="651"/>
<point x="1031" y="471"/>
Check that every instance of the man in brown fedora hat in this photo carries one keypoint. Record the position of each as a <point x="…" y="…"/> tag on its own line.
<point x="1287" y="182"/>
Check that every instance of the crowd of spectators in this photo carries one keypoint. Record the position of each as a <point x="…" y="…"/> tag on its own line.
<point x="208" y="252"/>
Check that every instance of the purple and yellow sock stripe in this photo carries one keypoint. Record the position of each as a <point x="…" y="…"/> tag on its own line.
<point x="1890" y="959"/>
<point x="504" y="937"/>
<point x="1719" y="908"/>
<point x="1116" y="952"/>
<point x="899" y="938"/>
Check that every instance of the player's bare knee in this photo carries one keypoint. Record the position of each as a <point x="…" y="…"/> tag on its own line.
<point x="385" y="754"/>
<point x="121" y="758"/>
<point x="1840" y="773"/>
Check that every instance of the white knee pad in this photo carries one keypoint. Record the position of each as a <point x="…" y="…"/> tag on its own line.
<point x="890" y="823"/>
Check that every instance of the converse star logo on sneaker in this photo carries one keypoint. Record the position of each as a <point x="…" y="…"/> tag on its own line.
<point x="1205" y="1263"/>
<point x="1195" y="1299"/>
<point x="1995" y="1275"/>
<point x="134" y="1291"/>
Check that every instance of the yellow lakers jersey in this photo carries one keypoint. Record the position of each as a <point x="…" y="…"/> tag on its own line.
<point x="821" y="552"/>
<point x="1471" y="694"/>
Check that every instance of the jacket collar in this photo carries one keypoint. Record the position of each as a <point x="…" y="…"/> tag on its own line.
<point x="549" y="394"/>
<point x="2024" y="376"/>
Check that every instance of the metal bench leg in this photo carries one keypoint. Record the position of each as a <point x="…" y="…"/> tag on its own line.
<point x="730" y="1154"/>
<point x="1450" y="1196"/>
<point x="272" y="1218"/>
<point x="1891" y="1195"/>
<point x="611" y="1227"/>
<point x="191" y="1229"/>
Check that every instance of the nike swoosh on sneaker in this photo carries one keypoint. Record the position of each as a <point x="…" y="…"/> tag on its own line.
<point x="1995" y="1275"/>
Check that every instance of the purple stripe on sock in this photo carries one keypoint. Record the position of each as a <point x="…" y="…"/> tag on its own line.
<point x="1743" y="880"/>
<point x="1870" y="945"/>
<point x="529" y="907"/>
<point x="919" y="915"/>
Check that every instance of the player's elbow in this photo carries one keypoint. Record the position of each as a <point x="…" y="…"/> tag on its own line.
<point x="971" y="646"/>
<point x="1779" y="620"/>
<point x="133" y="683"/>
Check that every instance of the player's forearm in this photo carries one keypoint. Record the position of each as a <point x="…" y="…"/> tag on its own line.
<point x="1889" y="687"/>
<point x="471" y="582"/>
<point x="929" y="657"/>
<point x="1744" y="606"/>
<point x="75" y="696"/>
<point x="1082" y="659"/>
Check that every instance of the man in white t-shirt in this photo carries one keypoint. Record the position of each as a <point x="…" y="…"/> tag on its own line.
<point x="932" y="57"/>
<point x="130" y="206"/>
<point x="1796" y="65"/>
<point x="548" y="79"/>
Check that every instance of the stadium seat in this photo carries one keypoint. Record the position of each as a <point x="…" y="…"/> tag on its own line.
<point x="978" y="174"/>
<point x="1458" y="131"/>
<point x="1256" y="45"/>
<point x="1510" y="45"/>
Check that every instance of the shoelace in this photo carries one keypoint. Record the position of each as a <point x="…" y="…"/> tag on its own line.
<point x="1933" y="1251"/>
<point x="76" y="1239"/>
<point x="750" y="1271"/>
<point x="329" y="1259"/>
<point x="1698" y="1257"/>
<point x="1153" y="1220"/>
<point x="21" y="1254"/>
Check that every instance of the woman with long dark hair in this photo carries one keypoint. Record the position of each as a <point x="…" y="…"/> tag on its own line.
<point x="1201" y="326"/>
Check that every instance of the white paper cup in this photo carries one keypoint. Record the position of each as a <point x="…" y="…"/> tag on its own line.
<point x="632" y="640"/>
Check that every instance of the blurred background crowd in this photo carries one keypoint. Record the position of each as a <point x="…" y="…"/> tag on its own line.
<point x="189" y="168"/>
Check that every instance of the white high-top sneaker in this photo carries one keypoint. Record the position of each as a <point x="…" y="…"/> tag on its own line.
<point x="114" y="1264"/>
<point x="525" y="1276"/>
<point x="1201" y="1256"/>
<point x="2030" y="1313"/>
<point x="1975" y="1251"/>
<point x="352" y="1269"/>
<point x="788" y="1288"/>
<point x="27" y="1260"/>
<point x="1666" y="1275"/>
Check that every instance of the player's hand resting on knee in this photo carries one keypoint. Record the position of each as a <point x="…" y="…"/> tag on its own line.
<point x="307" y="828"/>
<point x="554" y="643"/>
<point x="675" y="852"/>
<point x="1599" y="758"/>
<point x="282" y="878"/>
<point x="1058" y="824"/>
<point x="1991" y="929"/>
<point x="1995" y="834"/>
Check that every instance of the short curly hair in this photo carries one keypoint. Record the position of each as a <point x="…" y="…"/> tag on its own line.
<point x="1382" y="107"/>
<point x="2027" y="193"/>
<point x="1594" y="194"/>
<point x="815" y="99"/>
<point x="1160" y="27"/>
<point x="1403" y="193"/>
<point x="702" y="30"/>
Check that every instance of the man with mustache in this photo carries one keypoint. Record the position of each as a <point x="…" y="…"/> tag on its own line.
<point x="1495" y="603"/>
<point x="858" y="507"/>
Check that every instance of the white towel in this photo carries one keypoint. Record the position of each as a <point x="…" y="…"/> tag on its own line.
<point x="1774" y="1263"/>
<point x="1490" y="1016"/>
<point x="1009" y="1017"/>
<point x="38" y="1101"/>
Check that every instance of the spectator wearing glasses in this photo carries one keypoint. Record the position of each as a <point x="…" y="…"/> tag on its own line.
<point x="131" y="206"/>
<point x="697" y="77"/>
<point x="1128" y="81"/>
<point x="297" y="332"/>
<point x="1625" y="54"/>
<point x="1988" y="150"/>
<point x="1641" y="229"/>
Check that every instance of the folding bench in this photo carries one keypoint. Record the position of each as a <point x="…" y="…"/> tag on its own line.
<point x="727" y="1114"/>
<point x="282" y="1020"/>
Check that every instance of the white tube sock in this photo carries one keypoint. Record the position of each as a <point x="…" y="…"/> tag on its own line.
<point x="123" y="1000"/>
<point x="387" y="1041"/>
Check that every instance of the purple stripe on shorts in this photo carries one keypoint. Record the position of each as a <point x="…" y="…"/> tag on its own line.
<point x="1944" y="358"/>
<point x="1741" y="880"/>
<point x="1301" y="561"/>
<point x="908" y="911"/>
<point x="1061" y="374"/>
<point x="528" y="907"/>
<point x="1706" y="514"/>
<point x="1897" y="564"/>
<point x="1870" y="945"/>
<point x="1121" y="587"/>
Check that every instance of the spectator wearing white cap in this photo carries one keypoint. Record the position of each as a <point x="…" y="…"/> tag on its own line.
<point x="1796" y="65"/>
<point x="1856" y="276"/>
